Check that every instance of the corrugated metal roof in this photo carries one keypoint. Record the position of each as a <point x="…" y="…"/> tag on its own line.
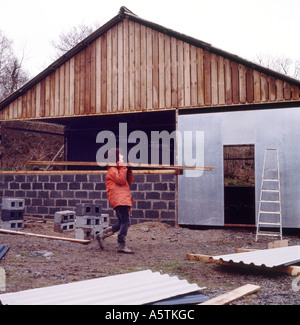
<point x="3" y="250"/>
<point x="135" y="288"/>
<point x="274" y="257"/>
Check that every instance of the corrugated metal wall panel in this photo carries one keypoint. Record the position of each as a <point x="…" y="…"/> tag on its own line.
<point x="3" y="250"/>
<point x="275" y="257"/>
<point x="204" y="196"/>
<point x="125" y="289"/>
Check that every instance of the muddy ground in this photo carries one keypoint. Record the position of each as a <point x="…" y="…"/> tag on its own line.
<point x="36" y="262"/>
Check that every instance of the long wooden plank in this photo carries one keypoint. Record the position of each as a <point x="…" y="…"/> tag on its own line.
<point x="76" y="85"/>
<point x="186" y="74"/>
<point x="90" y="163"/>
<point x="83" y="172"/>
<point x="180" y="74"/>
<point x="55" y="88"/>
<point x="52" y="94"/>
<point x="155" y="78"/>
<point x="98" y="75"/>
<point x="214" y="80"/>
<point x="149" y="68"/>
<point x="72" y="86"/>
<point x="143" y="68"/>
<point x="228" y="88"/>
<point x="264" y="88"/>
<point x="174" y="85"/>
<point x="61" y="91"/>
<point x="103" y="73"/>
<point x="235" y="82"/>
<point x="115" y="69"/>
<point x="198" y="257"/>
<point x="131" y="67"/>
<point x="67" y="90"/>
<point x="286" y="90"/>
<point x="161" y="71"/>
<point x="126" y="65"/>
<point x="242" y="84"/>
<point x="120" y="63"/>
<point x="200" y="75"/>
<point x="207" y="79"/>
<point x="137" y="66"/>
<point x="233" y="295"/>
<point x="194" y="98"/>
<point x="93" y="78"/>
<point x="42" y="102"/>
<point x="221" y="80"/>
<point x="82" y="83"/>
<point x="109" y="89"/>
<point x="168" y="87"/>
<point x="249" y="85"/>
<point x="47" y="98"/>
<point x="256" y="78"/>
<point x="13" y="232"/>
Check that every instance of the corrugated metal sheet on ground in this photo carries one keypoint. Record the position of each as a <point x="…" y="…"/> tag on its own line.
<point x="3" y="250"/>
<point x="189" y="299"/>
<point x="135" y="288"/>
<point x="274" y="257"/>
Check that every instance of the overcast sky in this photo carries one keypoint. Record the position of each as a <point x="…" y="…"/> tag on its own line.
<point x="243" y="27"/>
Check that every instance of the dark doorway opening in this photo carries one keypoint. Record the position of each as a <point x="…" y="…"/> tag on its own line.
<point x="239" y="184"/>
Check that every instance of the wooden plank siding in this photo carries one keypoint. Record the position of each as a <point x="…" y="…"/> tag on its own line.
<point x="133" y="67"/>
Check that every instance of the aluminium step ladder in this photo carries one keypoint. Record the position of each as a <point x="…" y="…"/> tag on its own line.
<point x="269" y="214"/>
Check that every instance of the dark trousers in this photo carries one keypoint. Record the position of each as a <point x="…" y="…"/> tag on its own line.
<point x="123" y="222"/>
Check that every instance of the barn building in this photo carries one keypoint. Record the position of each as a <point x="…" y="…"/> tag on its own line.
<point x="155" y="79"/>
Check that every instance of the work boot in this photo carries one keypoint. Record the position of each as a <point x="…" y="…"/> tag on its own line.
<point x="123" y="249"/>
<point x="104" y="234"/>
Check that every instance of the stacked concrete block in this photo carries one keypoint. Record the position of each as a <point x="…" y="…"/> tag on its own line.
<point x="90" y="221"/>
<point x="12" y="214"/>
<point x="64" y="221"/>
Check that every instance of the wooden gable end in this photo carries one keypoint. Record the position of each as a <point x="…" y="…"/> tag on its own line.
<point x="133" y="67"/>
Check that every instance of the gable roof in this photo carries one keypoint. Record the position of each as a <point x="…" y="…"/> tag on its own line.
<point x="123" y="14"/>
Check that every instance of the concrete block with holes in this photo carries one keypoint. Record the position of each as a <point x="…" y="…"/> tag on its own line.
<point x="12" y="213"/>
<point x="90" y="221"/>
<point x="64" y="221"/>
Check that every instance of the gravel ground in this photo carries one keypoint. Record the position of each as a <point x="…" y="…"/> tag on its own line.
<point x="36" y="262"/>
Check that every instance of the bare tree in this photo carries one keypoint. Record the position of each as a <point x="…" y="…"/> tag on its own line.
<point x="67" y="40"/>
<point x="297" y="70"/>
<point x="281" y="64"/>
<point x="12" y="75"/>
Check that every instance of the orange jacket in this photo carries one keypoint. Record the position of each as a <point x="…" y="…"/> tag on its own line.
<point x="118" y="180"/>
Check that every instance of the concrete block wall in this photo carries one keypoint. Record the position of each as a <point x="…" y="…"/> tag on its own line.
<point x="45" y="194"/>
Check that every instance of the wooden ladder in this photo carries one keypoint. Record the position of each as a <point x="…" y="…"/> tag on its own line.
<point x="269" y="214"/>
